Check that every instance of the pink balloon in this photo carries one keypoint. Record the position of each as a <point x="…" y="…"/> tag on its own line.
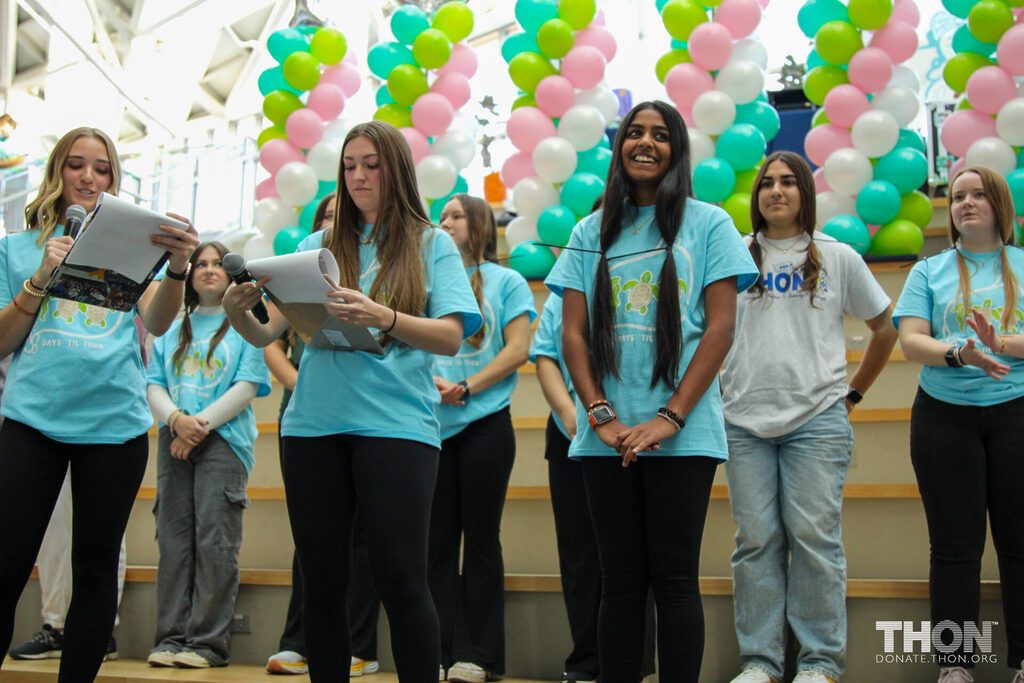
<point x="687" y="115"/>
<point x="554" y="95"/>
<point x="463" y="60"/>
<point x="898" y="39"/>
<point x="870" y="69"/>
<point x="820" y="184"/>
<point x="266" y="188"/>
<point x="343" y="75"/>
<point x="710" y="45"/>
<point x="418" y="143"/>
<point x="822" y="140"/>
<point x="685" y="82"/>
<point x="599" y="18"/>
<point x="763" y="3"/>
<point x="304" y="128"/>
<point x="905" y="11"/>
<point x="599" y="37"/>
<point x="526" y="127"/>
<point x="873" y="228"/>
<point x="276" y="153"/>
<point x="958" y="165"/>
<point x="963" y="128"/>
<point x="1010" y="51"/>
<point x="455" y="88"/>
<point x="741" y="17"/>
<point x="327" y="100"/>
<point x="843" y="104"/>
<point x="517" y="167"/>
<point x="350" y="58"/>
<point x="432" y="114"/>
<point x="584" y="66"/>
<point x="989" y="88"/>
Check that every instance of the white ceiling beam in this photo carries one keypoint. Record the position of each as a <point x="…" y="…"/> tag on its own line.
<point x="229" y="65"/>
<point x="8" y="47"/>
<point x="114" y="15"/>
<point x="208" y="101"/>
<point x="103" y="41"/>
<point x="247" y="77"/>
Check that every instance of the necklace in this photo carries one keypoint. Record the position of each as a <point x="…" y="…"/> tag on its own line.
<point x="637" y="227"/>
<point x="772" y="243"/>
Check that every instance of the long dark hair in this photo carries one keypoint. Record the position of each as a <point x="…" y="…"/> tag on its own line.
<point x="482" y="246"/>
<point x="674" y="189"/>
<point x="191" y="303"/>
<point x="806" y="218"/>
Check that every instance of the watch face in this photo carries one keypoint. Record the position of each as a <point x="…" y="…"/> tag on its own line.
<point x="602" y="414"/>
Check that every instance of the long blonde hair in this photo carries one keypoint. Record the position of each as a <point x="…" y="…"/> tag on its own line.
<point x="47" y="210"/>
<point x="998" y="194"/>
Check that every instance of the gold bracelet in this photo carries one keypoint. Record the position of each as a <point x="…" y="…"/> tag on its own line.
<point x="31" y="290"/>
<point x="1002" y="344"/>
<point x="173" y="418"/>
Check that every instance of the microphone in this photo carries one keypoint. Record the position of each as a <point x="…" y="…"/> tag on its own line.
<point x="74" y="216"/>
<point x="234" y="265"/>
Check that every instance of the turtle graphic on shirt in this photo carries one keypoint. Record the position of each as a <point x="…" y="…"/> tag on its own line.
<point x="616" y="288"/>
<point x="194" y="364"/>
<point x="94" y="315"/>
<point x="66" y="310"/>
<point x="640" y="293"/>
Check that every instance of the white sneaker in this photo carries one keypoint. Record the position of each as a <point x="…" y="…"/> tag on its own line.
<point x="813" y="677"/>
<point x="358" y="667"/>
<point x="440" y="674"/>
<point x="287" y="662"/>
<point x="161" y="658"/>
<point x="467" y="672"/>
<point x="753" y="675"/>
<point x="955" y="674"/>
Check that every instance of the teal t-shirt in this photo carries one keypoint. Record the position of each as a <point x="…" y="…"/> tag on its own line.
<point x="506" y="296"/>
<point x="389" y="396"/>
<point x="78" y="377"/>
<point x="547" y="341"/>
<point x="932" y="292"/>
<point x="200" y="382"/>
<point x="707" y="249"/>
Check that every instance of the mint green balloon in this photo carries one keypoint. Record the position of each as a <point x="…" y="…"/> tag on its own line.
<point x="713" y="179"/>
<point x="432" y="48"/>
<point x="407" y="22"/>
<point x="762" y="115"/>
<point x="595" y="160"/>
<point x="406" y="83"/>
<point x="837" y="42"/>
<point x="904" y="167"/>
<point x="555" y="224"/>
<point x="742" y="145"/>
<point x="527" y="69"/>
<point x="580" y="192"/>
<point x="555" y="38"/>
<point x="1016" y="182"/>
<point x="878" y="202"/>
<point x="284" y="42"/>
<point x="287" y="239"/>
<point x="849" y="230"/>
<point x="531" y="14"/>
<point x="909" y="138"/>
<point x="520" y="42"/>
<point x="301" y="71"/>
<point x="531" y="260"/>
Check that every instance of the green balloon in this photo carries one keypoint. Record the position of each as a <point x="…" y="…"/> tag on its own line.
<point x="398" y="115"/>
<point x="713" y="179"/>
<point x="282" y="43"/>
<point x="916" y="208"/>
<point x="287" y="239"/>
<point x="682" y="16"/>
<point x="745" y="180"/>
<point x="742" y="145"/>
<point x="837" y="42"/>
<point x="964" y="41"/>
<point x="896" y="239"/>
<point x="531" y="260"/>
<point x="762" y="115"/>
<point x="821" y="79"/>
<point x="669" y="60"/>
<point x="960" y="67"/>
<point x="431" y="49"/>
<point x="527" y="69"/>
<point x="328" y="45"/>
<point x="278" y="105"/>
<point x="577" y="13"/>
<point x="819" y="118"/>
<point x="301" y="71"/>
<point x="531" y="14"/>
<point x="271" y="133"/>
<point x="555" y="224"/>
<point x="869" y="14"/>
<point x="909" y="138"/>
<point x="555" y="38"/>
<point x="407" y="22"/>
<point x="904" y="167"/>
<point x="878" y="202"/>
<point x="524" y="100"/>
<point x="737" y="205"/>
<point x="580" y="192"/>
<point x="454" y="19"/>
<point x="406" y="83"/>
<point x="849" y="230"/>
<point x="988" y="20"/>
<point x="595" y="160"/>
<point x="1016" y="182"/>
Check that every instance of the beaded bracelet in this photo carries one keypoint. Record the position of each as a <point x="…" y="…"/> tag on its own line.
<point x="31" y="289"/>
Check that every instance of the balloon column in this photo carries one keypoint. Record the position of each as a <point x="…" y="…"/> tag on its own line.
<point x="557" y="124"/>
<point x="303" y="96"/>
<point x="871" y="164"/>
<point x="729" y="119"/>
<point x="426" y="70"/>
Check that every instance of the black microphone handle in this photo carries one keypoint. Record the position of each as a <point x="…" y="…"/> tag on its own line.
<point x="259" y="311"/>
<point x="72" y="227"/>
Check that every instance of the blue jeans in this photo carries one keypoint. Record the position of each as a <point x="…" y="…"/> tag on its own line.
<point x="789" y="565"/>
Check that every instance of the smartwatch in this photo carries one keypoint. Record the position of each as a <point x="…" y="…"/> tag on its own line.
<point x="953" y="358"/>
<point x="854" y="396"/>
<point x="600" y="412"/>
<point x="180" y="277"/>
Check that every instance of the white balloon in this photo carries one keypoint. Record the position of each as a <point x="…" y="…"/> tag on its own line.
<point x="324" y="157"/>
<point x="701" y="146"/>
<point x="905" y="76"/>
<point x="272" y="214"/>
<point x="1010" y="121"/>
<point x="1020" y="89"/>
<point x="831" y="204"/>
<point x="465" y="122"/>
<point x="521" y="229"/>
<point x="713" y="112"/>
<point x="260" y="246"/>
<point x="235" y="240"/>
<point x="899" y="101"/>
<point x="847" y="170"/>
<point x="741" y="80"/>
<point x="751" y="51"/>
<point x="436" y="176"/>
<point x="554" y="159"/>
<point x="582" y="126"/>
<point x="874" y="134"/>
<point x="338" y="129"/>
<point x="992" y="153"/>
<point x="532" y="195"/>
<point x="601" y="99"/>
<point x="457" y="145"/>
<point x="296" y="183"/>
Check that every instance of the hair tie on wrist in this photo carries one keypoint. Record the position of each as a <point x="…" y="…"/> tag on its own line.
<point x="392" y="325"/>
<point x="18" y="306"/>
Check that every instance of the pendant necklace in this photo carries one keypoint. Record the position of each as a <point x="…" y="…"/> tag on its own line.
<point x="638" y="227"/>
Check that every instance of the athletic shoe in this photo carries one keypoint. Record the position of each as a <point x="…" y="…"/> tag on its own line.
<point x="161" y="658"/>
<point x="191" y="660"/>
<point x="467" y="672"/>
<point x="753" y="675"/>
<point x="440" y="674"/>
<point x="955" y="674"/>
<point x="111" y="653"/>
<point x="363" y="666"/>
<point x="1018" y="677"/>
<point x="578" y="677"/>
<point x="46" y="643"/>
<point x="813" y="677"/>
<point x="287" y="662"/>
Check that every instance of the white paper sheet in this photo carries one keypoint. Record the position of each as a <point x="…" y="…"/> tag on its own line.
<point x="298" y="277"/>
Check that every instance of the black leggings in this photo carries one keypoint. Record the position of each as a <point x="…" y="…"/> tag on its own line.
<point x="105" y="479"/>
<point x="393" y="482"/>
<point x="649" y="521"/>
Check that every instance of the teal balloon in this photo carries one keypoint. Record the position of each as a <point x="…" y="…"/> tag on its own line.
<point x="595" y="160"/>
<point x="520" y="42"/>
<point x="436" y="208"/>
<point x="911" y="139"/>
<point x="273" y="79"/>
<point x="287" y="239"/>
<point x="383" y="96"/>
<point x="307" y="214"/>
<point x="383" y="57"/>
<point x="605" y="142"/>
<point x="742" y="145"/>
<point x="878" y="202"/>
<point x="580" y="192"/>
<point x="904" y="167"/>
<point x="325" y="188"/>
<point x="849" y="230"/>
<point x="660" y="5"/>
<point x="531" y="14"/>
<point x="407" y="22"/>
<point x="677" y="44"/>
<point x="1016" y="182"/>
<point x="964" y="41"/>
<point x="761" y="115"/>
<point x="816" y="13"/>
<point x="555" y="224"/>
<point x="282" y="43"/>
<point x="959" y="8"/>
<point x="815" y="60"/>
<point x="531" y="260"/>
<point x="713" y="179"/>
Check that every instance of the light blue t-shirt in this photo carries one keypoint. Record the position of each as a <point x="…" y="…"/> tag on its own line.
<point x="932" y="292"/>
<point x="547" y="341"/>
<point x="78" y="377"/>
<point x="389" y="396"/>
<point x="707" y="249"/>
<point x="506" y="296"/>
<point x="200" y="382"/>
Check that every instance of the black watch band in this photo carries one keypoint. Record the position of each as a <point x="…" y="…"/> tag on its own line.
<point x="953" y="358"/>
<point x="180" y="277"/>
<point x="854" y="396"/>
<point x="465" y="394"/>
